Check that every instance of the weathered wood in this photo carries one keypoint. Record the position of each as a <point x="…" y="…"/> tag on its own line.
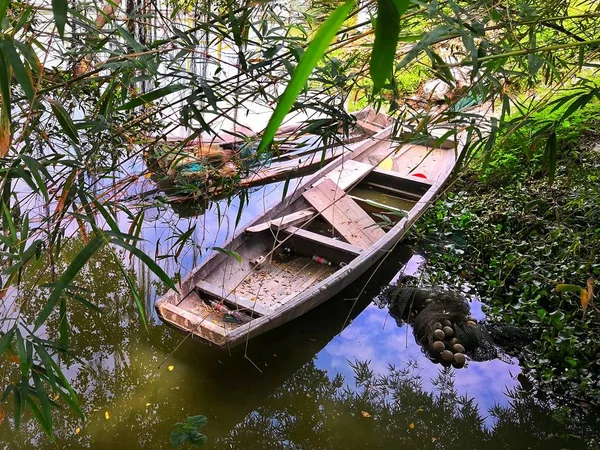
<point x="323" y="241"/>
<point x="185" y="320"/>
<point x="233" y="299"/>
<point x="349" y="173"/>
<point x="295" y="218"/>
<point x="301" y="301"/>
<point x="344" y="214"/>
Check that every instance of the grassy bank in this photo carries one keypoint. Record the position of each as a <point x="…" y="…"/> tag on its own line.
<point x="514" y="237"/>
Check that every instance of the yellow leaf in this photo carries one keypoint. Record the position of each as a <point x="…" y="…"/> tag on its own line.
<point x="56" y="397"/>
<point x="365" y="414"/>
<point x="411" y="426"/>
<point x="171" y="368"/>
<point x="584" y="299"/>
<point x="420" y="410"/>
<point x="107" y="415"/>
<point x="387" y="163"/>
<point x="77" y="430"/>
<point x="148" y="404"/>
<point x="5" y="132"/>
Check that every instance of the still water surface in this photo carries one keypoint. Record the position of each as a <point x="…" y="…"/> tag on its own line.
<point x="343" y="376"/>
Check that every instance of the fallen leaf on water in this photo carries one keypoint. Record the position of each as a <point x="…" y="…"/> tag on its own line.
<point x="420" y="410"/>
<point x="365" y="414"/>
<point x="433" y="439"/>
<point x="77" y="430"/>
<point x="56" y="397"/>
<point x="107" y="415"/>
<point x="14" y="359"/>
<point x="1" y="415"/>
<point x="411" y="426"/>
<point x="171" y="368"/>
<point x="148" y="404"/>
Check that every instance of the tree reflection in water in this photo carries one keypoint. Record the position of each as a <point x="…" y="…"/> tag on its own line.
<point x="313" y="410"/>
<point x="290" y="404"/>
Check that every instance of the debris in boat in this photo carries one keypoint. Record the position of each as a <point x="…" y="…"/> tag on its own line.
<point x="228" y="314"/>
<point x="443" y="326"/>
<point x="258" y="262"/>
<point x="321" y="260"/>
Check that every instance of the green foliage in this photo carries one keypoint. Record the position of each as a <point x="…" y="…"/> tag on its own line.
<point x="520" y="149"/>
<point x="515" y="245"/>
<point x="189" y="432"/>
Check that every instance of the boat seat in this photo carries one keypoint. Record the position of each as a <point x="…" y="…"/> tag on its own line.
<point x="344" y="214"/>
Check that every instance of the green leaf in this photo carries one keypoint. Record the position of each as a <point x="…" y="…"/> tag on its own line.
<point x="231" y="253"/>
<point x="315" y="51"/>
<point x="3" y="7"/>
<point x="59" y="9"/>
<point x="196" y="421"/>
<point x="387" y="30"/>
<point x="6" y="338"/>
<point x="148" y="261"/>
<point x="64" y="120"/>
<point x="551" y="156"/>
<point x="45" y="402"/>
<point x="68" y="275"/>
<point x="568" y="288"/>
<point x="151" y="96"/>
<point x="18" y="67"/>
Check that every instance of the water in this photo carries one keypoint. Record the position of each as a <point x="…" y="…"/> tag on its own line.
<point x="294" y="387"/>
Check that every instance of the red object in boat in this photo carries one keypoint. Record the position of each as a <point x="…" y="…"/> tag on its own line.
<point x="420" y="175"/>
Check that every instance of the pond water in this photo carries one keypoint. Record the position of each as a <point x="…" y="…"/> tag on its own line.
<point x="342" y="376"/>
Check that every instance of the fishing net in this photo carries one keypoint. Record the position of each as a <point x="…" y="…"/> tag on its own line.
<point x="441" y="320"/>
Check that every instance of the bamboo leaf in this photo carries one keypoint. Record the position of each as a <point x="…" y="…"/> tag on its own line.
<point x="551" y="156"/>
<point x="3" y="7"/>
<point x="133" y="290"/>
<point x="148" y="261"/>
<point x="6" y="338"/>
<point x="64" y="120"/>
<point x="21" y="74"/>
<point x="310" y="58"/>
<point x="151" y="96"/>
<point x="231" y="253"/>
<point x="387" y="30"/>
<point x="567" y="288"/>
<point x="59" y="9"/>
<point x="68" y="275"/>
<point x="45" y="402"/>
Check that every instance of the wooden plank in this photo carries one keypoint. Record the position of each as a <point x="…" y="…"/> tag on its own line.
<point x="344" y="214"/>
<point x="295" y="218"/>
<point x="231" y="298"/>
<point x="197" y="325"/>
<point x="324" y="240"/>
<point x="350" y="173"/>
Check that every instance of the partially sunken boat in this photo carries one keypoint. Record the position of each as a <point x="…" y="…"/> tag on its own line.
<point x="216" y="166"/>
<point x="337" y="224"/>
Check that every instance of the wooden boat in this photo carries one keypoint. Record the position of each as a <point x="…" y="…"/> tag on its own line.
<point x="321" y="238"/>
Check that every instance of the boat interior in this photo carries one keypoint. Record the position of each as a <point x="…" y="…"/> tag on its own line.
<point x="331" y="223"/>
